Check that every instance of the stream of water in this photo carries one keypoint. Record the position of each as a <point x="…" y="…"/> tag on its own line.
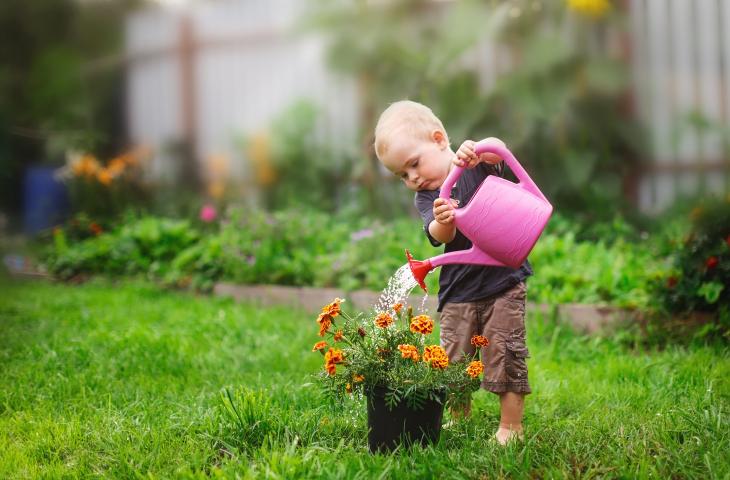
<point x="397" y="290"/>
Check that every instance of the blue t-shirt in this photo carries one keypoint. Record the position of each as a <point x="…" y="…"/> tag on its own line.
<point x="459" y="283"/>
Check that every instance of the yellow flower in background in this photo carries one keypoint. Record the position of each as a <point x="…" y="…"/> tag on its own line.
<point x="117" y="166"/>
<point x="475" y="369"/>
<point x="259" y="154"/>
<point x="358" y="378"/>
<point x="216" y="189"/>
<point x="590" y="8"/>
<point x="87" y="165"/>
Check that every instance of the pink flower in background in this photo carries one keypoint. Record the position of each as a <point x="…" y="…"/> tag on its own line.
<point x="361" y="235"/>
<point x="208" y="213"/>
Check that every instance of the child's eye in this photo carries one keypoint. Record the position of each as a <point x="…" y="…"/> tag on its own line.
<point x="415" y="164"/>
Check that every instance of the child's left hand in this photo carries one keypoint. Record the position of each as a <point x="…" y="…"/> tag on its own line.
<point x="465" y="156"/>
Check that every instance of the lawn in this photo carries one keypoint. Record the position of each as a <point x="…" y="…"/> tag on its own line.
<point x="127" y="380"/>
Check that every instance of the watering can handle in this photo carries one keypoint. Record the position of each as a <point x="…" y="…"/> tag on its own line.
<point x="491" y="146"/>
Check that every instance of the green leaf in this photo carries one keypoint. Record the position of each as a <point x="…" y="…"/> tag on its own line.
<point x="710" y="291"/>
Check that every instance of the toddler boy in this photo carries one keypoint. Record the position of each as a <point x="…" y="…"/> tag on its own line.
<point x="411" y="142"/>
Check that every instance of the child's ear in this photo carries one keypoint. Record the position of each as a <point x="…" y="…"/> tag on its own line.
<point x="439" y="137"/>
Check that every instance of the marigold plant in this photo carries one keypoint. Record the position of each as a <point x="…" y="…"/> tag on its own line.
<point x="391" y="349"/>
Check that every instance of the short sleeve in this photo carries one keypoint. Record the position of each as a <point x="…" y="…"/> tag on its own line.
<point x="424" y="204"/>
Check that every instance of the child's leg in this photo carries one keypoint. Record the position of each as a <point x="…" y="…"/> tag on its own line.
<point x="505" y="368"/>
<point x="458" y="322"/>
<point x="512" y="406"/>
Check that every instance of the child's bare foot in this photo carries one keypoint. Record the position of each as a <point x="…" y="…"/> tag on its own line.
<point x="505" y="435"/>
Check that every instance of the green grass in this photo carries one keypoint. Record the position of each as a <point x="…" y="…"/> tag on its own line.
<point x="126" y="380"/>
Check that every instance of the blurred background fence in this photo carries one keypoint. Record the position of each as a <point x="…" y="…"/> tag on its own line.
<point x="612" y="105"/>
<point x="213" y="72"/>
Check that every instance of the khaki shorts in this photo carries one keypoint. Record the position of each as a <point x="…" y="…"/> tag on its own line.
<point x="502" y="320"/>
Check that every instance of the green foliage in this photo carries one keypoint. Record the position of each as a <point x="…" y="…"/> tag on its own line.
<point x="567" y="270"/>
<point x="147" y="245"/>
<point x="310" y="248"/>
<point x="700" y="272"/>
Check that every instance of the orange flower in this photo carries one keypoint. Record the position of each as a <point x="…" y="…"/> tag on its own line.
<point x="87" y="166"/>
<point x="479" y="341"/>
<point x="711" y="262"/>
<point x="348" y="388"/>
<point x="333" y="309"/>
<point x="436" y="357"/>
<point x="95" y="228"/>
<point x="357" y="378"/>
<point x="116" y="166"/>
<point x="319" y="346"/>
<point x="475" y="369"/>
<point x="397" y="307"/>
<point x="383" y="320"/>
<point x="422" y="324"/>
<point x="338" y="336"/>
<point x="325" y="321"/>
<point x="409" y="351"/>
<point x="104" y="177"/>
<point x="331" y="359"/>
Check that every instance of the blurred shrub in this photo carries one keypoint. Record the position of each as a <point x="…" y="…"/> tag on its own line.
<point x="558" y="107"/>
<point x="699" y="276"/>
<point x="310" y="248"/>
<point x="293" y="165"/>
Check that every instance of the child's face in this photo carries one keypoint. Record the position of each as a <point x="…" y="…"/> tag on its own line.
<point x="421" y="164"/>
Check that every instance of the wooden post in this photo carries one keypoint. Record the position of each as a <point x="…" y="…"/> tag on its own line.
<point x="188" y="148"/>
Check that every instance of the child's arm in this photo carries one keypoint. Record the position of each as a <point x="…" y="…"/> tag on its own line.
<point x="442" y="228"/>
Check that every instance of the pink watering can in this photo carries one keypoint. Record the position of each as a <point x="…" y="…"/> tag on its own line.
<point x="503" y="220"/>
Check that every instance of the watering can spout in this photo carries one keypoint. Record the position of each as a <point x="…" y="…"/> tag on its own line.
<point x="419" y="269"/>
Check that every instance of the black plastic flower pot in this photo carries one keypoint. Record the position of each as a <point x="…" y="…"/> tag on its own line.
<point x="403" y="424"/>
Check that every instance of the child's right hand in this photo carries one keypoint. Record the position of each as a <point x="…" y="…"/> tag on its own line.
<point x="443" y="210"/>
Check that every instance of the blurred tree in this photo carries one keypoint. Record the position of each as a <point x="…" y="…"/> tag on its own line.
<point x="560" y="106"/>
<point x="50" y="96"/>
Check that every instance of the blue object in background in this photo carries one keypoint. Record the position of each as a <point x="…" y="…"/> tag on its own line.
<point x="45" y="200"/>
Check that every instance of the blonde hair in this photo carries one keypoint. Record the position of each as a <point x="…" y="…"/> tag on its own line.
<point x="405" y="117"/>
